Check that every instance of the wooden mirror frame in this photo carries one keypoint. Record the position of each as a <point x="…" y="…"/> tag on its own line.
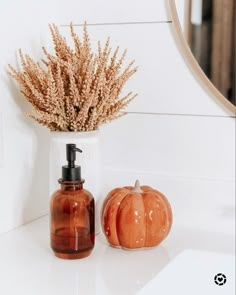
<point x="196" y="69"/>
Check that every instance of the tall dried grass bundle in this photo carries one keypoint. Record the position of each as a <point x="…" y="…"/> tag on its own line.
<point x="74" y="89"/>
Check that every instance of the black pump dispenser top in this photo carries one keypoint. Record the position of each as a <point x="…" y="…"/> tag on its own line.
<point x="71" y="172"/>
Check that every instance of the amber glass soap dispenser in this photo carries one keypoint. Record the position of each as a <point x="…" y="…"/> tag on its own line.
<point x="72" y="213"/>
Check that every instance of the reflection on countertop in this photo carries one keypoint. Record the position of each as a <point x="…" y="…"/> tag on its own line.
<point x="29" y="267"/>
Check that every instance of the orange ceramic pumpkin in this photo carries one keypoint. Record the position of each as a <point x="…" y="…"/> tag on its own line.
<point x="136" y="217"/>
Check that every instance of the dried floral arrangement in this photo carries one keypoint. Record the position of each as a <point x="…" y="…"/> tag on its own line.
<point x="75" y="89"/>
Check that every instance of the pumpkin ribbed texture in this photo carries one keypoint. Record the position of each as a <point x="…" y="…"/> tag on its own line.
<point x="133" y="218"/>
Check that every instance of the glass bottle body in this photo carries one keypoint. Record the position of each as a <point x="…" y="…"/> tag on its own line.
<point x="72" y="221"/>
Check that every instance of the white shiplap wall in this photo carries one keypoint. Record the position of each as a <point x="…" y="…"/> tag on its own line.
<point x="176" y="137"/>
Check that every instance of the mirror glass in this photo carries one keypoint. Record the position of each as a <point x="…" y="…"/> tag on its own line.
<point x="209" y="28"/>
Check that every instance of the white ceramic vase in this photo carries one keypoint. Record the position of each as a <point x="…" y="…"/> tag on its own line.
<point x="89" y="160"/>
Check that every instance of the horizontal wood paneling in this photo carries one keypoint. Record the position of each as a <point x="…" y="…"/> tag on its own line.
<point x="22" y="21"/>
<point x="183" y="146"/>
<point x="164" y="82"/>
<point x="34" y="13"/>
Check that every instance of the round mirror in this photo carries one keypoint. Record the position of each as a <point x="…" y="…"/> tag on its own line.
<point x="207" y="28"/>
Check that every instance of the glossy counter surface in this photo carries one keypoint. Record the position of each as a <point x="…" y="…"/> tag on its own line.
<point x="186" y="262"/>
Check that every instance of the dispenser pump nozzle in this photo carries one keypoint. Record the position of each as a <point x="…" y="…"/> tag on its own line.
<point x="71" y="172"/>
<point x="71" y="150"/>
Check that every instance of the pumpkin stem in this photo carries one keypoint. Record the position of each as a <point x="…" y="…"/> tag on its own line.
<point x="137" y="188"/>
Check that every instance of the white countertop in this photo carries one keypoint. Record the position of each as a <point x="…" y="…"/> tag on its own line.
<point x="186" y="257"/>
